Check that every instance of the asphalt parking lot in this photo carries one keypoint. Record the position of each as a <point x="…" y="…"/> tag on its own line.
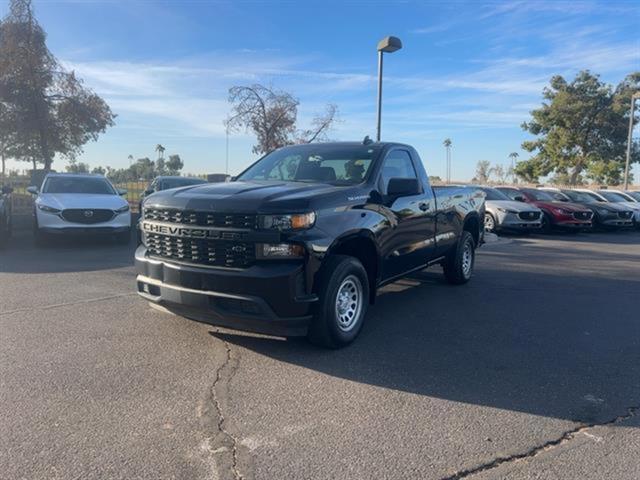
<point x="532" y="370"/>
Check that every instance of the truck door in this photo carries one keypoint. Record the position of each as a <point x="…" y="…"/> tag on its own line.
<point x="410" y="242"/>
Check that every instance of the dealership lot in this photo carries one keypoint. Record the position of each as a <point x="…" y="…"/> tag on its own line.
<point x="530" y="370"/>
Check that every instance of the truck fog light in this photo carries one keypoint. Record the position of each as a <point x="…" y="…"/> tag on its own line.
<point x="281" y="250"/>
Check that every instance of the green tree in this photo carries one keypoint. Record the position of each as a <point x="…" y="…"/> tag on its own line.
<point x="580" y="126"/>
<point x="51" y="111"/>
<point x="99" y="170"/>
<point x="174" y="164"/>
<point x="74" y="167"/>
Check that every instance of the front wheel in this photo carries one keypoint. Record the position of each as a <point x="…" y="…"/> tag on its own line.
<point x="344" y="297"/>
<point x="489" y="223"/>
<point x="458" y="266"/>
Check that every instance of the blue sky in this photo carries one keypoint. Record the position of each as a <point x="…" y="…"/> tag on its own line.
<point x="470" y="71"/>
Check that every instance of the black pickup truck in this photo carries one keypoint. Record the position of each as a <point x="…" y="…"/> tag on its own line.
<point x="299" y="243"/>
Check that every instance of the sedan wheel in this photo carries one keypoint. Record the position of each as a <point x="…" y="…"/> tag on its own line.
<point x="489" y="223"/>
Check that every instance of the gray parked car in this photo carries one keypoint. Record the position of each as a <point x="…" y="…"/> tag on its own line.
<point x="502" y="213"/>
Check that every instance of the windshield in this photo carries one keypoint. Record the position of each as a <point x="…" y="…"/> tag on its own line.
<point x="87" y="185"/>
<point x="538" y="195"/>
<point x="493" y="194"/>
<point x="335" y="164"/>
<point x="579" y="196"/>
<point x="168" y="183"/>
<point x="634" y="195"/>
<point x="613" y="197"/>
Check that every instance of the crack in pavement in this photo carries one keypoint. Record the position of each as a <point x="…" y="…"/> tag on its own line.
<point x="226" y="366"/>
<point x="535" y="451"/>
<point x="67" y="304"/>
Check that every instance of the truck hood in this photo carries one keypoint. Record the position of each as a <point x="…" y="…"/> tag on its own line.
<point x="62" y="201"/>
<point x="250" y="196"/>
<point x="511" y="205"/>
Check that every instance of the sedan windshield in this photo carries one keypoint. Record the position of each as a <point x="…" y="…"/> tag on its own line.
<point x="613" y="197"/>
<point x="86" y="185"/>
<point x="493" y="194"/>
<point x="538" y="195"/>
<point x="579" y="196"/>
<point x="317" y="163"/>
<point x="635" y="195"/>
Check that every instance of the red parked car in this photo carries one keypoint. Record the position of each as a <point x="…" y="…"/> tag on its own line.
<point x="560" y="215"/>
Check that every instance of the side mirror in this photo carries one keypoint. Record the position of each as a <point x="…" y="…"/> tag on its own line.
<point x="148" y="191"/>
<point x="403" y="187"/>
<point x="33" y="190"/>
<point x="121" y="191"/>
<point x="560" y="198"/>
<point x="6" y="190"/>
<point x="519" y="198"/>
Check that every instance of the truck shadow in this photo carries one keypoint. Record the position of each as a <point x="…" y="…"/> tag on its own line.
<point x="510" y="339"/>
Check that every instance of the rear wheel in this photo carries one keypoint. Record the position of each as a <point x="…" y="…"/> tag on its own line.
<point x="344" y="297"/>
<point x="458" y="266"/>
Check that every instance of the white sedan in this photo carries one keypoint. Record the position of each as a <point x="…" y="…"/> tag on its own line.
<point x="80" y="204"/>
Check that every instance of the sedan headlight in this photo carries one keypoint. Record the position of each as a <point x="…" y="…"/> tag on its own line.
<point x="506" y="210"/>
<point x="123" y="209"/>
<point x="296" y="221"/>
<point x="46" y="208"/>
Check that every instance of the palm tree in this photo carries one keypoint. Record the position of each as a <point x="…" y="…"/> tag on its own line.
<point x="160" y="149"/>
<point x="447" y="145"/>
<point x="514" y="157"/>
<point x="130" y="158"/>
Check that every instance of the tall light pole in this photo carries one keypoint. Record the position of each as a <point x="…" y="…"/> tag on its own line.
<point x="386" y="45"/>
<point x="630" y="138"/>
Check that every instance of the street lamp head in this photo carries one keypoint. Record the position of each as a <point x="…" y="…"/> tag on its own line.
<point x="389" y="44"/>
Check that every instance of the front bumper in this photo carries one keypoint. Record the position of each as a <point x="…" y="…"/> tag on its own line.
<point x="265" y="298"/>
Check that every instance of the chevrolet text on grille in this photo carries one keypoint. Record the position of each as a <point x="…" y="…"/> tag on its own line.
<point x="188" y="232"/>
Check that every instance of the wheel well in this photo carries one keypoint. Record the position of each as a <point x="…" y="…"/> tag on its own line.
<point x="472" y="225"/>
<point x="364" y="250"/>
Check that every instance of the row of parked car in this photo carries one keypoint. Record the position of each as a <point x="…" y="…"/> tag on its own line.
<point x="525" y="209"/>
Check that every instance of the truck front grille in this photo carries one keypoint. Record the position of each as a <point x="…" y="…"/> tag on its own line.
<point x="582" y="215"/>
<point x="529" y="215"/>
<point x="203" y="219"/>
<point x="87" y="216"/>
<point x="219" y="253"/>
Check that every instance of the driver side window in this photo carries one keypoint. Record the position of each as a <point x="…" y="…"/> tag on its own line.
<point x="398" y="164"/>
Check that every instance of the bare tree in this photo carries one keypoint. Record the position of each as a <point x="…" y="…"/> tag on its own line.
<point x="483" y="171"/>
<point x="272" y="116"/>
<point x="320" y="126"/>
<point x="499" y="172"/>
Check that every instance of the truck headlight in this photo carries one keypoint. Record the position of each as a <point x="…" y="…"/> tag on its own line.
<point x="46" y="208"/>
<point x="296" y="221"/>
<point x="280" y="250"/>
<point x="123" y="209"/>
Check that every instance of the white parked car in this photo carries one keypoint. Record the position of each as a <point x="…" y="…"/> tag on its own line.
<point x="502" y="213"/>
<point x="80" y="204"/>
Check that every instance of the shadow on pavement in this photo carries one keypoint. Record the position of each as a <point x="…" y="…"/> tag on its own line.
<point x="559" y="343"/>
<point x="65" y="254"/>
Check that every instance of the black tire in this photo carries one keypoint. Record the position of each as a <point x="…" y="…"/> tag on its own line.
<point x="124" y="238"/>
<point x="492" y="221"/>
<point x="547" y="224"/>
<point x="458" y="266"/>
<point x="338" y="274"/>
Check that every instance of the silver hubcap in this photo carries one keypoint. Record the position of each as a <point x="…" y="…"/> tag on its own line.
<point x="467" y="260"/>
<point x="488" y="223"/>
<point x="349" y="303"/>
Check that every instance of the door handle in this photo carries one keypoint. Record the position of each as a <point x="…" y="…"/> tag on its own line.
<point x="424" y="207"/>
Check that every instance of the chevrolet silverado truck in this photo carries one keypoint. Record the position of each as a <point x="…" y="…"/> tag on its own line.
<point x="300" y="242"/>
